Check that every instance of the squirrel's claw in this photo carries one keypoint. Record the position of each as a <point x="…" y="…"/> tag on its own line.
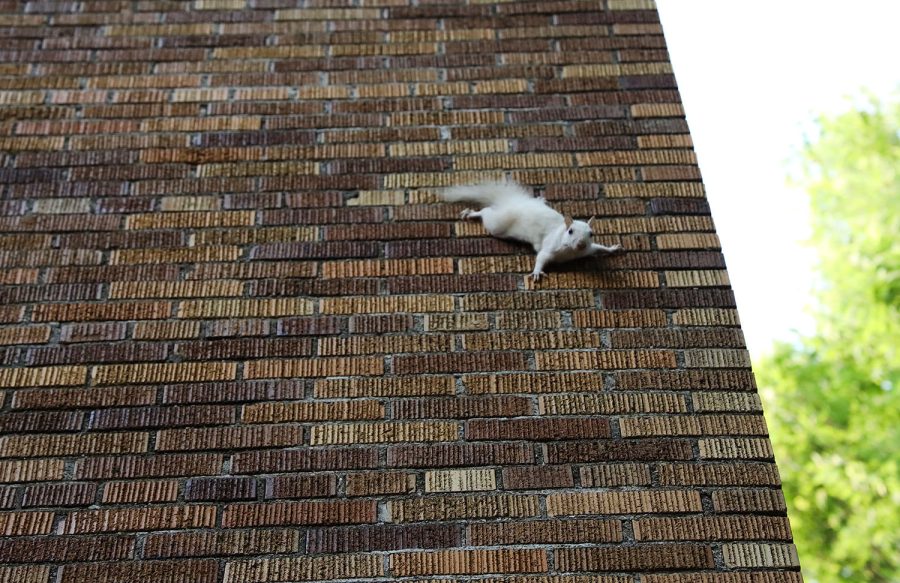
<point x="536" y="276"/>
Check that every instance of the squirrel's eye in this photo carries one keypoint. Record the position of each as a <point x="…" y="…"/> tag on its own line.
<point x="571" y="231"/>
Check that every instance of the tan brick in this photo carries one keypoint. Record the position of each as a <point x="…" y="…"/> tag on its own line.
<point x="384" y="387"/>
<point x="43" y="376"/>
<point x="750" y="555"/>
<point x="464" y="480"/>
<point x="469" y="562"/>
<point x="384" y="432"/>
<point x="24" y="335"/>
<point x="387" y="304"/>
<point x="257" y="308"/>
<point x="317" y="367"/>
<point x="639" y="502"/>
<point x="114" y="374"/>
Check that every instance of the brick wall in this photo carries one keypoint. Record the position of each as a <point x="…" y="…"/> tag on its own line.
<point x="243" y="341"/>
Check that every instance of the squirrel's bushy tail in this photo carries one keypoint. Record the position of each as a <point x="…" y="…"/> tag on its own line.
<point x="486" y="193"/>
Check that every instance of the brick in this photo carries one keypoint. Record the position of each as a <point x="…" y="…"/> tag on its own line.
<point x="737" y="527"/>
<point x="78" y="444"/>
<point x="99" y="468"/>
<point x="744" y="555"/>
<point x="634" y="450"/>
<point x="307" y="459"/>
<point x="546" y="531"/>
<point x="469" y="562"/>
<point x="201" y="571"/>
<point x="291" y="513"/>
<point x="383" y="432"/>
<point x="301" y="486"/>
<point x="25" y="523"/>
<point x="384" y="387"/>
<point x="69" y="494"/>
<point x="67" y="549"/>
<point x="304" y="568"/>
<point x="749" y="500"/>
<point x="306" y="411"/>
<point x="382" y="537"/>
<point x="93" y="332"/>
<point x="219" y="489"/>
<point x="461" y="407"/>
<point x="213" y="543"/>
<point x="637" y="558"/>
<point x="139" y="519"/>
<point x="544" y="429"/>
<point x="140" y="492"/>
<point x="371" y="483"/>
<point x="31" y="470"/>
<point x="537" y="477"/>
<point x="229" y="437"/>
<point x="162" y="373"/>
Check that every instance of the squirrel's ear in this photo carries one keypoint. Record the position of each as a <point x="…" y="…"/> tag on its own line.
<point x="591" y="221"/>
<point x="568" y="220"/>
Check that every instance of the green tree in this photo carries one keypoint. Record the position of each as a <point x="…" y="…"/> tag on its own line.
<point x="832" y="399"/>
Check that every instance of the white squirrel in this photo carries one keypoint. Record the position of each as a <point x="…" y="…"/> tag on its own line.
<point x="511" y="212"/>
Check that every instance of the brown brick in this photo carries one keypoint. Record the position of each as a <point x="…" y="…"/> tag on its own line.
<point x="304" y="460"/>
<point x="137" y="519"/>
<point x="537" y="477"/>
<point x="633" y="450"/>
<point x="291" y="513"/>
<point x="461" y="407"/>
<point x="637" y="558"/>
<point x="609" y="475"/>
<point x="68" y="494"/>
<point x="67" y="549"/>
<point x="304" y="568"/>
<point x="457" y="363"/>
<point x="467" y="454"/>
<point x="142" y="466"/>
<point x="749" y="500"/>
<point x="371" y="483"/>
<point x="78" y="444"/>
<point x="230" y="437"/>
<point x="544" y="429"/>
<point x="301" y="486"/>
<point x="228" y="542"/>
<point x="382" y="538"/>
<point x="219" y="489"/>
<point x="612" y="502"/>
<point x="140" y="492"/>
<point x="739" y="527"/>
<point x="93" y="332"/>
<point x="199" y="571"/>
<point x="546" y="531"/>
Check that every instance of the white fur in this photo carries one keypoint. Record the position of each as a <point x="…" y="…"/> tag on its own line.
<point x="511" y="212"/>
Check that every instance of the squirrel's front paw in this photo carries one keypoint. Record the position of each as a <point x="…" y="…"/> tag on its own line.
<point x="465" y="213"/>
<point x="536" y="276"/>
<point x="616" y="249"/>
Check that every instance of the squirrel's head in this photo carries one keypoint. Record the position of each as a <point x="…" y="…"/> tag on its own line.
<point x="578" y="234"/>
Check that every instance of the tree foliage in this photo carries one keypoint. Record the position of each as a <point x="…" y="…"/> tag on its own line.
<point x="832" y="399"/>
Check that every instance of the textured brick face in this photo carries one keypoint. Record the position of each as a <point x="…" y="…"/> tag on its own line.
<point x="242" y="340"/>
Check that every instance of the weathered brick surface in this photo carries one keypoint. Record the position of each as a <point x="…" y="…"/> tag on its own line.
<point x="242" y="339"/>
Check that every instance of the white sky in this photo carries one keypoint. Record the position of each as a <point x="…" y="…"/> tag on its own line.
<point x="752" y="76"/>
